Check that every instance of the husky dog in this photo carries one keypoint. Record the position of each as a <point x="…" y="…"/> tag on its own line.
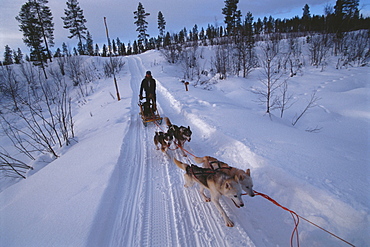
<point x="217" y="182"/>
<point x="244" y="177"/>
<point x="163" y="139"/>
<point x="180" y="134"/>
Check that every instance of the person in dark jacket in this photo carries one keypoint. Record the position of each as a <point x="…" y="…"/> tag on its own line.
<point x="148" y="84"/>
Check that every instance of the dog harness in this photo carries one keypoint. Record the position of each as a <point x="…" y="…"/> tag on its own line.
<point x="219" y="165"/>
<point x="199" y="173"/>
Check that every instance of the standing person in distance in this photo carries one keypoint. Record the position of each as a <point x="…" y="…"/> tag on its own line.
<point x="148" y="84"/>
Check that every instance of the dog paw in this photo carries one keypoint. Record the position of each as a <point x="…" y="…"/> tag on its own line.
<point x="206" y="199"/>
<point x="229" y="223"/>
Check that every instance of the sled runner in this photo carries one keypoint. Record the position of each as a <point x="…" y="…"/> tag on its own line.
<point x="148" y="113"/>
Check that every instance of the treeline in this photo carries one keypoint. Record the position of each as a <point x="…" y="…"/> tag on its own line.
<point x="341" y="18"/>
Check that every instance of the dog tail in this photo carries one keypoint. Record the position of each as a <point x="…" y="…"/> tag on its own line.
<point x="168" y="122"/>
<point x="180" y="164"/>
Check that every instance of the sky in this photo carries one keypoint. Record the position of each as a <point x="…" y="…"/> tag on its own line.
<point x="177" y="14"/>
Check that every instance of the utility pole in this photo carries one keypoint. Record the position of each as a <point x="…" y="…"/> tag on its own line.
<point x="110" y="57"/>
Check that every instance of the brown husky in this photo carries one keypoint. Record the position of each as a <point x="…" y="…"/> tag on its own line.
<point x="217" y="182"/>
<point x="244" y="177"/>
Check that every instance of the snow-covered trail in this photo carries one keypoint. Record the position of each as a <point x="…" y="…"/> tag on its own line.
<point x="145" y="203"/>
<point x="134" y="201"/>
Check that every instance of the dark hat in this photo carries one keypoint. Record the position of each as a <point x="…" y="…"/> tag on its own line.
<point x="149" y="73"/>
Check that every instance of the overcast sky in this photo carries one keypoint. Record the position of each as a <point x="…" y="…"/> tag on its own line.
<point x="177" y="13"/>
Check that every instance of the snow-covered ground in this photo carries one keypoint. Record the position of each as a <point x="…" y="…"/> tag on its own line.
<point x="112" y="188"/>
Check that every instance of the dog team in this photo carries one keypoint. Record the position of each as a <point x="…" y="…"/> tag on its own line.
<point x="216" y="176"/>
<point x="176" y="134"/>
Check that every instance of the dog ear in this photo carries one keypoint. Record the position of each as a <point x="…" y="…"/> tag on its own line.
<point x="227" y="185"/>
<point x="241" y="177"/>
<point x="189" y="127"/>
<point x="248" y="172"/>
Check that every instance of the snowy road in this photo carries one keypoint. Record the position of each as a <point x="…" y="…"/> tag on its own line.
<point x="151" y="207"/>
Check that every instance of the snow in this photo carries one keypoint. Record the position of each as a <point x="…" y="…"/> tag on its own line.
<point x="112" y="188"/>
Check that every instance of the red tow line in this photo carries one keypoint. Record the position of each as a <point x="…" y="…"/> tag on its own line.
<point x="295" y="216"/>
<point x="296" y="220"/>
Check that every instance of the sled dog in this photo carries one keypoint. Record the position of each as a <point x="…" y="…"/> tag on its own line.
<point x="162" y="139"/>
<point x="180" y="134"/>
<point x="217" y="182"/>
<point x="244" y="177"/>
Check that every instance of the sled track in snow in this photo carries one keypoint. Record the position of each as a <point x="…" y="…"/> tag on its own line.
<point x="145" y="203"/>
<point x="173" y="215"/>
<point x="140" y="220"/>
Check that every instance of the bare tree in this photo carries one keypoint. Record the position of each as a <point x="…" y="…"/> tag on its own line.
<point x="221" y="61"/>
<point x="246" y="57"/>
<point x="42" y="119"/>
<point x="284" y="102"/>
<point x="62" y="64"/>
<point x="172" y="52"/>
<point x="10" y="85"/>
<point x="356" y="50"/>
<point x="110" y="68"/>
<point x="271" y="79"/>
<point x="189" y="58"/>
<point x="311" y="103"/>
<point x="319" y="47"/>
<point x="12" y="166"/>
<point x="73" y="68"/>
<point x="294" y="59"/>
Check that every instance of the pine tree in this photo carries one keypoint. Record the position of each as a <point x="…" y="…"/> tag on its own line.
<point x="258" y="26"/>
<point x="161" y="24"/>
<point x="65" y="49"/>
<point x="74" y="20"/>
<point x="58" y="53"/>
<point x="45" y="20"/>
<point x="105" y="51"/>
<point x="96" y="52"/>
<point x="119" y="47"/>
<point x="306" y="12"/>
<point x="167" y="39"/>
<point x="123" y="48"/>
<point x="142" y="25"/>
<point x="18" y="56"/>
<point x="211" y="33"/>
<point x="114" y="47"/>
<point x="8" y="56"/>
<point x="347" y="9"/>
<point x="232" y="16"/>
<point x="306" y="17"/>
<point x="248" y="30"/>
<point x="129" y="49"/>
<point x="89" y="44"/>
<point x="195" y="33"/>
<point x="35" y="20"/>
<point x="135" y="48"/>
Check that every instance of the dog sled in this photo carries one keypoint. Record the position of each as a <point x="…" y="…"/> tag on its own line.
<point x="148" y="113"/>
